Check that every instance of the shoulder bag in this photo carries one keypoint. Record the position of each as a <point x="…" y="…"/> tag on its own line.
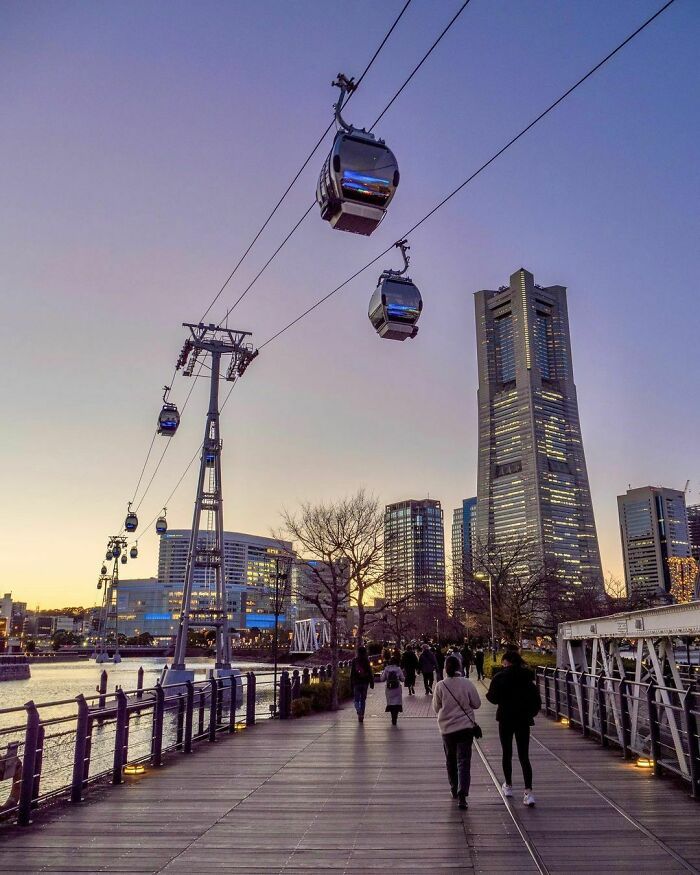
<point x="476" y="729"/>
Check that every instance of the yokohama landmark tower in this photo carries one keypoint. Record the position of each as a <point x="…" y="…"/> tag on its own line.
<point x="532" y="477"/>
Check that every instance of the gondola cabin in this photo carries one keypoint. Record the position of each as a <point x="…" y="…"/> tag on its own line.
<point x="395" y="307"/>
<point x="357" y="182"/>
<point x="168" y="420"/>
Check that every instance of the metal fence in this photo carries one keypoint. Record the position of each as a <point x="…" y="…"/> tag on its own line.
<point x="656" y="724"/>
<point x="57" y="749"/>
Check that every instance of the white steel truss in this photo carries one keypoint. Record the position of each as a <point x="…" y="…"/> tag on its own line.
<point x="311" y="635"/>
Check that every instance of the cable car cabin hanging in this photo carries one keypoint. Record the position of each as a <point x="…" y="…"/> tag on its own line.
<point x="124" y="559"/>
<point x="108" y="556"/>
<point x="131" y="523"/>
<point x="359" y="176"/>
<point x="103" y="570"/>
<point x="161" y="524"/>
<point x="169" y="417"/>
<point x="134" y="552"/>
<point x="396" y="304"/>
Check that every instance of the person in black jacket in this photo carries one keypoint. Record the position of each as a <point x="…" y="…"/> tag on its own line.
<point x="428" y="666"/>
<point x="514" y="691"/>
<point x="361" y="679"/>
<point x="409" y="664"/>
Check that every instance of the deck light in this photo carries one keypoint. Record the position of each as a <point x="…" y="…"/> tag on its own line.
<point x="564" y="721"/>
<point x="645" y="762"/>
<point x="134" y="769"/>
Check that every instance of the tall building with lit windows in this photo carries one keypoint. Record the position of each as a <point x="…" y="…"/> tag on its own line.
<point x="463" y="544"/>
<point x="532" y="478"/>
<point x="414" y="553"/>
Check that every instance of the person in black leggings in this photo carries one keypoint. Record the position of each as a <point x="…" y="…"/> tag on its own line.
<point x="514" y="691"/>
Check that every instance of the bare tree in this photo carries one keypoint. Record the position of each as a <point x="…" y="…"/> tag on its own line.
<point x="325" y="579"/>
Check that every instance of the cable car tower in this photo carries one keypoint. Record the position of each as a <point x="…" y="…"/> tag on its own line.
<point x="117" y="546"/>
<point x="206" y="546"/>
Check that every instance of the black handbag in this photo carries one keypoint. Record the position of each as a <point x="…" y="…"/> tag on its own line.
<point x="476" y="729"/>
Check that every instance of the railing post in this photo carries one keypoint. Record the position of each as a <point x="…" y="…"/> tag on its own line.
<point x="81" y="734"/>
<point x="322" y="673"/>
<point x="557" y="698"/>
<point x="250" y="699"/>
<point x="180" y="725"/>
<point x="102" y="690"/>
<point x="567" y="695"/>
<point x="200" y="721"/>
<point x="189" y="713"/>
<point x="119" y="738"/>
<point x="314" y="673"/>
<point x="38" y="765"/>
<point x="543" y="674"/>
<point x="654" y="735"/>
<point x="691" y="730"/>
<point x="232" y="708"/>
<point x="624" y="719"/>
<point x="219" y="701"/>
<point x="213" y="708"/>
<point x="31" y="743"/>
<point x="139" y="683"/>
<point x="88" y="751"/>
<point x="305" y="676"/>
<point x="583" y="689"/>
<point x="284" y="703"/>
<point x="602" y="710"/>
<point x="157" y="737"/>
<point x="295" y="684"/>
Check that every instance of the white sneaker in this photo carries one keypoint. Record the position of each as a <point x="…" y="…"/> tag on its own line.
<point x="507" y="790"/>
<point x="529" y="799"/>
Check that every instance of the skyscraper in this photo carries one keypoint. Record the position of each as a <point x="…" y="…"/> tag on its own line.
<point x="414" y="553"/>
<point x="463" y="541"/>
<point x="654" y="532"/>
<point x="532" y="478"/>
<point x="694" y="530"/>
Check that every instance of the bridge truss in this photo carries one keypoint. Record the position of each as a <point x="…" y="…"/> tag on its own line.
<point x="311" y="635"/>
<point x="626" y="679"/>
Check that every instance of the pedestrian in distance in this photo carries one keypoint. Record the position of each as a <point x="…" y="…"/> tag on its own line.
<point x="457" y="655"/>
<point x="393" y="677"/>
<point x="409" y="664"/>
<point x="427" y="665"/>
<point x="467" y="659"/>
<point x="479" y="662"/>
<point x="514" y="691"/>
<point x="361" y="679"/>
<point x="454" y="701"/>
<point x="439" y="660"/>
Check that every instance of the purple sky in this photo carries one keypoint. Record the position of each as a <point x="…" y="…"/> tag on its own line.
<point x="143" y="143"/>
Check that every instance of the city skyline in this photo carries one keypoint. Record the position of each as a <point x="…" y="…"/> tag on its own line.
<point x="144" y="153"/>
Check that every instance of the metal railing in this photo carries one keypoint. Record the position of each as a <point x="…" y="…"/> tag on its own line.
<point x="58" y="749"/>
<point x="657" y="724"/>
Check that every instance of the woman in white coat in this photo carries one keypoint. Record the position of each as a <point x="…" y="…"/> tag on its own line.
<point x="394" y="678"/>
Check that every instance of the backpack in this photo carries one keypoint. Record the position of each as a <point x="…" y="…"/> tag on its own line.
<point x="361" y="672"/>
<point x="534" y="702"/>
<point x="392" y="681"/>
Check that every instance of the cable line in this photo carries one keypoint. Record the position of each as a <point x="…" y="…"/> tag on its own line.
<point x="298" y="174"/>
<point x="476" y="173"/>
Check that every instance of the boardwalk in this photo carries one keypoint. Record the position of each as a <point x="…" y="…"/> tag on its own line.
<point x="323" y="793"/>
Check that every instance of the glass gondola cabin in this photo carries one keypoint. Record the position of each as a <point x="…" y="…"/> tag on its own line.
<point x="161" y="525"/>
<point x="395" y="307"/>
<point x="168" y="420"/>
<point x="357" y="182"/>
<point x="131" y="522"/>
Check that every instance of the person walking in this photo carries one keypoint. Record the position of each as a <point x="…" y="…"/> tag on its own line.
<point x="479" y="662"/>
<point x="515" y="693"/>
<point x="439" y="661"/>
<point x="394" y="677"/>
<point x="427" y="664"/>
<point x="454" y="701"/>
<point x="457" y="655"/>
<point x="467" y="659"/>
<point x="361" y="679"/>
<point x="409" y="664"/>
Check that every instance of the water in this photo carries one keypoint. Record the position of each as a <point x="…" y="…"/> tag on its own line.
<point x="64" y="681"/>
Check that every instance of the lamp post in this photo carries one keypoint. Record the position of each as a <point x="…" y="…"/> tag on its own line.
<point x="278" y="575"/>
<point x="484" y="575"/>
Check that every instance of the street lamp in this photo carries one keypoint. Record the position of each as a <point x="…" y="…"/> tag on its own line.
<point x="279" y="576"/>
<point x="486" y="575"/>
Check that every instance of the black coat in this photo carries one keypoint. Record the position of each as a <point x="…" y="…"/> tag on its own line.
<point x="409" y="664"/>
<point x="357" y="678"/>
<point x="515" y="693"/>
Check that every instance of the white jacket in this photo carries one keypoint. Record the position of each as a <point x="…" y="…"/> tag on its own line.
<point x="453" y="697"/>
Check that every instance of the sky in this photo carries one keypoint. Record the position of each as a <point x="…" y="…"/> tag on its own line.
<point x="144" y="143"/>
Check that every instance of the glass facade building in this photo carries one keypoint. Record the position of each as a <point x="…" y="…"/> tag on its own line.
<point x="654" y="530"/>
<point x="463" y="543"/>
<point x="532" y="477"/>
<point x="414" y="553"/>
<point x="694" y="530"/>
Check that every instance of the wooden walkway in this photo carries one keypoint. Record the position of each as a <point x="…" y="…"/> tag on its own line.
<point x="324" y="793"/>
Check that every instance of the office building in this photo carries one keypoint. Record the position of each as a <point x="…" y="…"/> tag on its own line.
<point x="414" y="553"/>
<point x="693" y="511"/>
<point x="249" y="573"/>
<point x="654" y="530"/>
<point x="463" y="544"/>
<point x="532" y="478"/>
